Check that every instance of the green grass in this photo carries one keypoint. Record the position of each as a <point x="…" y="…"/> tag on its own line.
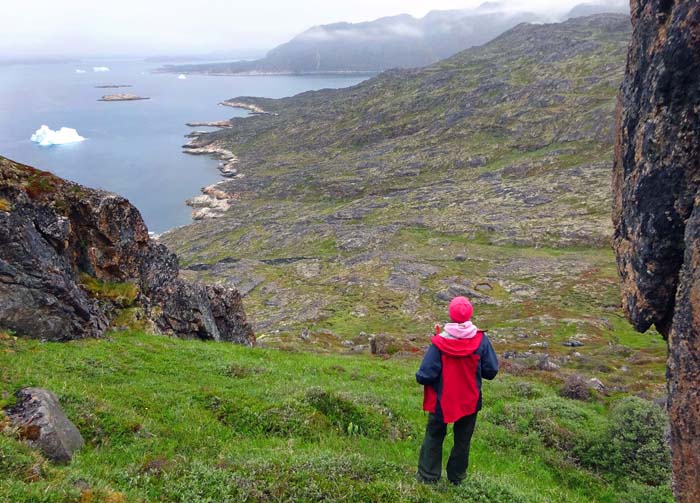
<point x="123" y="294"/>
<point x="190" y="421"/>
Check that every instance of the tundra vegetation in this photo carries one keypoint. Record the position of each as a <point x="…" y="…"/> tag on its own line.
<point x="360" y="213"/>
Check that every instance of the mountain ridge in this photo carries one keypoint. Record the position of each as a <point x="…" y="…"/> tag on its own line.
<point x="400" y="41"/>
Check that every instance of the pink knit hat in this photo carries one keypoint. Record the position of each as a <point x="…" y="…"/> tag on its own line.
<point x="461" y="309"/>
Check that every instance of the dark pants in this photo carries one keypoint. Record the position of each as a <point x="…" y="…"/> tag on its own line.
<point x="430" y="460"/>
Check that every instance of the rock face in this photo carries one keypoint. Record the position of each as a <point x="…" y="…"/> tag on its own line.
<point x="74" y="261"/>
<point x="44" y="425"/>
<point x="657" y="208"/>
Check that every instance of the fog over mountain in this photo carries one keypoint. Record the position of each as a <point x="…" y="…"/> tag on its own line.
<point x="400" y="41"/>
<point x="167" y="28"/>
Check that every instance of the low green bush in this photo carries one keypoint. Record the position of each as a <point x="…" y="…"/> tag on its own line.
<point x="632" y="446"/>
<point x="353" y="417"/>
<point x="636" y="492"/>
<point x="481" y="489"/>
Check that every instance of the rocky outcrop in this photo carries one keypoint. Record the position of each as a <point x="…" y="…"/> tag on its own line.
<point x="43" y="424"/>
<point x="74" y="261"/>
<point x="657" y="208"/>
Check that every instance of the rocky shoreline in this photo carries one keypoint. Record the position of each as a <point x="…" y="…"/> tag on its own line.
<point x="253" y="109"/>
<point x="214" y="201"/>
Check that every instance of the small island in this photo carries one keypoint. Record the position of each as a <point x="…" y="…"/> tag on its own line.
<point x="122" y="97"/>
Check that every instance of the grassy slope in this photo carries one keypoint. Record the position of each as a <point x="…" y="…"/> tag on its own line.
<point x="172" y="420"/>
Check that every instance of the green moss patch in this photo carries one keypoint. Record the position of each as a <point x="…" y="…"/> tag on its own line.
<point x="122" y="294"/>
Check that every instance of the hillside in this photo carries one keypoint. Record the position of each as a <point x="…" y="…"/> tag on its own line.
<point x="361" y="211"/>
<point x="392" y="42"/>
<point x="201" y="422"/>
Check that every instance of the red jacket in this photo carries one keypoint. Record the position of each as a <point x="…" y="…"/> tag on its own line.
<point x="460" y="390"/>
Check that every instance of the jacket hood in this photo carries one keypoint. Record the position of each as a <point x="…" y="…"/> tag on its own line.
<point x="458" y="347"/>
<point x="465" y="330"/>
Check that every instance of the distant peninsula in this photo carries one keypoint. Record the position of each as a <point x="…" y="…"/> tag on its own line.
<point x="122" y="97"/>
<point x="112" y="86"/>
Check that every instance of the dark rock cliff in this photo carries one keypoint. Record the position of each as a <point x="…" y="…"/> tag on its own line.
<point x="657" y="207"/>
<point x="76" y="261"/>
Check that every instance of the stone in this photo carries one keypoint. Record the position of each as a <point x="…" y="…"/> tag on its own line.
<point x="44" y="425"/>
<point x="547" y="365"/>
<point x="573" y="343"/>
<point x="596" y="384"/>
<point x="63" y="247"/>
<point x="384" y="345"/>
<point x="656" y="209"/>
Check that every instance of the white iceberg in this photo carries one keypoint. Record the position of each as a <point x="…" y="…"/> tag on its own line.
<point x="182" y="76"/>
<point x="98" y="69"/>
<point x="78" y="70"/>
<point x="46" y="137"/>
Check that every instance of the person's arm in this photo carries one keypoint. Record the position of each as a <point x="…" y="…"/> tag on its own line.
<point x="430" y="367"/>
<point x="489" y="360"/>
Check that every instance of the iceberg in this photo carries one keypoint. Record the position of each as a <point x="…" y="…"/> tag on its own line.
<point x="97" y="69"/>
<point x="79" y="71"/>
<point x="46" y="137"/>
<point x="182" y="76"/>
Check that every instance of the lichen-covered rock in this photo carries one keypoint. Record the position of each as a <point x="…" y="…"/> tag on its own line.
<point x="656" y="187"/>
<point x="72" y="258"/>
<point x="44" y="425"/>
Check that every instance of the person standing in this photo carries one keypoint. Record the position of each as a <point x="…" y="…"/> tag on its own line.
<point x="451" y="373"/>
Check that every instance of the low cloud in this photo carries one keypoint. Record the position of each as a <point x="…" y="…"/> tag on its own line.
<point x="355" y="33"/>
<point x="98" y="69"/>
<point x="79" y="71"/>
<point x="46" y="136"/>
<point x="182" y="76"/>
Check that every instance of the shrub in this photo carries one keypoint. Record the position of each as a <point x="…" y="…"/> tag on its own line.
<point x="291" y="418"/>
<point x="576" y="388"/>
<point x="353" y="418"/>
<point x="481" y="489"/>
<point x="238" y="371"/>
<point x="636" y="492"/>
<point x="633" y="445"/>
<point x="525" y="389"/>
<point x="555" y="420"/>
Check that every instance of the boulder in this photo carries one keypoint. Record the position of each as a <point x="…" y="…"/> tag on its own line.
<point x="44" y="425"/>
<point x="72" y="259"/>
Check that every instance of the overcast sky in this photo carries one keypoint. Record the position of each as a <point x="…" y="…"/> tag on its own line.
<point x="149" y="27"/>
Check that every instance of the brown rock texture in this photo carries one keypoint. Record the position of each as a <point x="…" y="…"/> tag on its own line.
<point x="656" y="212"/>
<point x="74" y="261"/>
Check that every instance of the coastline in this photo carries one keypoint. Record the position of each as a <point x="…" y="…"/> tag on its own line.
<point x="213" y="202"/>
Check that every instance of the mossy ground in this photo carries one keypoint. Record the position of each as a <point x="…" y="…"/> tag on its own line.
<point x="190" y="421"/>
<point x="122" y="294"/>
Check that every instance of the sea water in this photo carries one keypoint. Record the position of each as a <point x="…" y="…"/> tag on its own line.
<point x="132" y="148"/>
